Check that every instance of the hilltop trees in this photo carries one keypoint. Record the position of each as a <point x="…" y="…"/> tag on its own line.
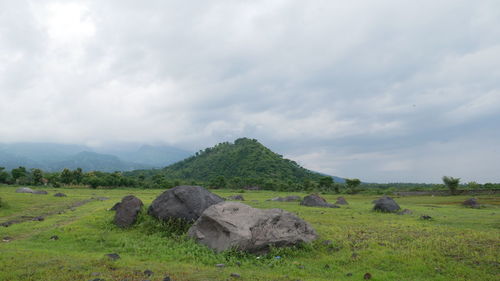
<point x="451" y="183"/>
<point x="4" y="176"/>
<point x="328" y="184"/>
<point x="218" y="182"/>
<point x="352" y="185"/>
<point x="18" y="174"/>
<point x="246" y="162"/>
<point x="37" y="176"/>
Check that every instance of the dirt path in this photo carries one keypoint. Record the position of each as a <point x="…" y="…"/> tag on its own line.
<point x="41" y="217"/>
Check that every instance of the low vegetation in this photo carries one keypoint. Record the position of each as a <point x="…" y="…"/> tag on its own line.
<point x="457" y="243"/>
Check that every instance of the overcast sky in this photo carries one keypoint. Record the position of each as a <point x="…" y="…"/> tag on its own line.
<point x="384" y="91"/>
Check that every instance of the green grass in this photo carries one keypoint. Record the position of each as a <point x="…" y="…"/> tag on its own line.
<point x="457" y="244"/>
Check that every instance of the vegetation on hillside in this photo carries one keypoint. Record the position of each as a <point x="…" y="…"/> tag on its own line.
<point x="244" y="162"/>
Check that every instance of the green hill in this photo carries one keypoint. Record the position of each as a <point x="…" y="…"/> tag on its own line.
<point x="243" y="162"/>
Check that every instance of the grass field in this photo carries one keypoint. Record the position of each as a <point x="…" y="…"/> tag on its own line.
<point x="456" y="244"/>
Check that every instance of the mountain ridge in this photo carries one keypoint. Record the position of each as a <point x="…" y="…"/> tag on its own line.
<point x="53" y="157"/>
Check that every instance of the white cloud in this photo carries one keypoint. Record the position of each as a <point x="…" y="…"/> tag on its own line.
<point x="356" y="88"/>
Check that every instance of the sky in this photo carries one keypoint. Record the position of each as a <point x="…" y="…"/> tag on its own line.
<point x="384" y="91"/>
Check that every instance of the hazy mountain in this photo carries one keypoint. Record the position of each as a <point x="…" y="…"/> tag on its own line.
<point x="36" y="154"/>
<point x="10" y="161"/>
<point x="54" y="157"/>
<point x="156" y="156"/>
<point x="91" y="161"/>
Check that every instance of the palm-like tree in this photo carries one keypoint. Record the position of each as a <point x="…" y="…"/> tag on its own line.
<point x="451" y="183"/>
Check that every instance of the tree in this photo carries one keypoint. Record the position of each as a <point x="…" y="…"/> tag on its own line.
<point x="326" y="182"/>
<point x="352" y="184"/>
<point x="53" y="179"/>
<point x="336" y="187"/>
<point x="473" y="185"/>
<point x="451" y="183"/>
<point x="218" y="182"/>
<point x="78" y="175"/>
<point x="18" y="173"/>
<point x="37" y="176"/>
<point x="66" y="176"/>
<point x="4" y="176"/>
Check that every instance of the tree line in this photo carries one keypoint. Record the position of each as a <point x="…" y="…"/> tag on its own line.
<point x="152" y="179"/>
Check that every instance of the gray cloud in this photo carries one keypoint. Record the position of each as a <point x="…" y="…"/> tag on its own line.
<point x="385" y="91"/>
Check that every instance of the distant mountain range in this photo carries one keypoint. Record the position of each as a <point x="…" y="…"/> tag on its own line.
<point x="55" y="157"/>
<point x="245" y="158"/>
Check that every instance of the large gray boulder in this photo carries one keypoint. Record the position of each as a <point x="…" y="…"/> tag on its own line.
<point x="127" y="211"/>
<point x="472" y="203"/>
<point x="233" y="225"/>
<point x="315" y="200"/>
<point x="183" y="202"/>
<point x="24" y="190"/>
<point x="386" y="204"/>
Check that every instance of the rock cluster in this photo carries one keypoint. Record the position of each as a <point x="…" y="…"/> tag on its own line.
<point x="218" y="224"/>
<point x="232" y="225"/>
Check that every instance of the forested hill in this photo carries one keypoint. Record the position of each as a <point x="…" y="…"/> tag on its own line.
<point x="245" y="159"/>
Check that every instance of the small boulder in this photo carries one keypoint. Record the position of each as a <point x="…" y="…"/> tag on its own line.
<point x="40" y="192"/>
<point x="236" y="197"/>
<point x="290" y="198"/>
<point x="54" y="237"/>
<point x="113" y="256"/>
<point x="425" y="217"/>
<point x="235" y="225"/>
<point x="183" y="202"/>
<point x="59" y="194"/>
<point x="315" y="200"/>
<point x="405" y="212"/>
<point x="24" y="190"/>
<point x="39" y="218"/>
<point x="127" y="211"/>
<point x="472" y="203"/>
<point x="341" y="201"/>
<point x="386" y="204"/>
